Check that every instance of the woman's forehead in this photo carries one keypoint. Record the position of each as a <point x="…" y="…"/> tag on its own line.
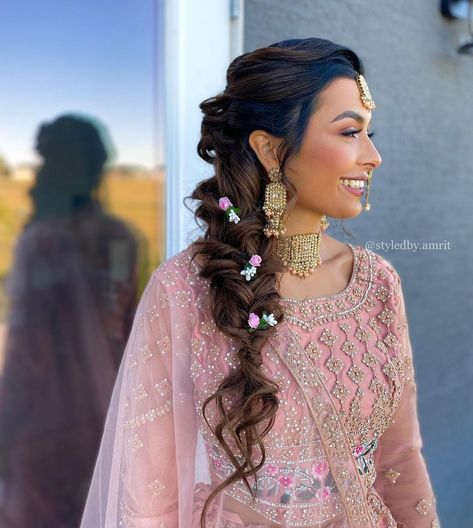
<point x="340" y="99"/>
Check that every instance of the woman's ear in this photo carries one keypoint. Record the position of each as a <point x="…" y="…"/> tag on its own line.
<point x="265" y="147"/>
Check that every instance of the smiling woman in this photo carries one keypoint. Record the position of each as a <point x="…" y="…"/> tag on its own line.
<point x="271" y="399"/>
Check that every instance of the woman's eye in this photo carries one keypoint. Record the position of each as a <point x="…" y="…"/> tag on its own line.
<point x="351" y="133"/>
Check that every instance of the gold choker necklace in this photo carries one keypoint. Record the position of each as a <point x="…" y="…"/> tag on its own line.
<point x="300" y="254"/>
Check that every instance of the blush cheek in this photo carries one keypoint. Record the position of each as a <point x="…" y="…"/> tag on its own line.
<point x="319" y="167"/>
<point x="332" y="159"/>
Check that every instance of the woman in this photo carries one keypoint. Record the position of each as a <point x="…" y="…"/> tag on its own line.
<point x="249" y="395"/>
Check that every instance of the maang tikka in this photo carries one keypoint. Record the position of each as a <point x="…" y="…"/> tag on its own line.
<point x="369" y="104"/>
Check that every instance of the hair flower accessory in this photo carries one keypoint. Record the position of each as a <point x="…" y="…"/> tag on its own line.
<point x="249" y="270"/>
<point x="232" y="212"/>
<point x="257" y="323"/>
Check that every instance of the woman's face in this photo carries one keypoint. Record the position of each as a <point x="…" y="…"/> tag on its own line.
<point x="336" y="145"/>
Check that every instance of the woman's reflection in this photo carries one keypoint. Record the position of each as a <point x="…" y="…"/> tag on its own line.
<point x="72" y="294"/>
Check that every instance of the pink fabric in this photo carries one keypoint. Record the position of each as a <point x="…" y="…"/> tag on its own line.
<point x="345" y="427"/>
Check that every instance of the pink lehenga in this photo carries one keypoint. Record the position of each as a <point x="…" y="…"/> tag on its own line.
<point x="345" y="450"/>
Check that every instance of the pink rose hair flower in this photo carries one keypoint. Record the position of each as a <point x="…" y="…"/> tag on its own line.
<point x="253" y="320"/>
<point x="255" y="261"/>
<point x="224" y="203"/>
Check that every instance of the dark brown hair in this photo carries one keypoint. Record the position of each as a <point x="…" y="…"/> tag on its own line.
<point x="275" y="89"/>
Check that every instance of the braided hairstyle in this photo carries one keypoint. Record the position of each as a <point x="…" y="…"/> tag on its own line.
<point x="275" y="89"/>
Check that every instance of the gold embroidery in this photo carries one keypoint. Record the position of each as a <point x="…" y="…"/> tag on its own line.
<point x="369" y="359"/>
<point x="423" y="507"/>
<point x="356" y="374"/>
<point x="349" y="348"/>
<point x="386" y="316"/>
<point x="139" y="392"/>
<point x="163" y="387"/>
<point x="391" y="340"/>
<point x="340" y="391"/>
<point x="313" y="350"/>
<point x="362" y="335"/>
<point x="334" y="364"/>
<point x="164" y="299"/>
<point x="328" y="337"/>
<point x="135" y="443"/>
<point x="183" y="298"/>
<point x="153" y="313"/>
<point x="392" y="475"/>
<point x="191" y="320"/>
<point x="145" y="352"/>
<point x="208" y="327"/>
<point x="156" y="487"/>
<point x="149" y="416"/>
<point x="331" y="429"/>
<point x="380" y="510"/>
<point x="382" y="294"/>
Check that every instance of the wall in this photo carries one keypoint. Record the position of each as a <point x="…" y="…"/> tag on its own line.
<point x="421" y="193"/>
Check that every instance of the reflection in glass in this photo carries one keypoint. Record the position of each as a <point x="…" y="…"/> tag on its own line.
<point x="72" y="292"/>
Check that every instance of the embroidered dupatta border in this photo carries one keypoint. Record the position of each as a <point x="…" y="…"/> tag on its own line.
<point x="329" y="423"/>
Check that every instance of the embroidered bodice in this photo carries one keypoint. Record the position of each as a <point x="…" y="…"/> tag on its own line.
<point x="345" y="446"/>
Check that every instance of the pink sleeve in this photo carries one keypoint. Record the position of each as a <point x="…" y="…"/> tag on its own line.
<point x="144" y="473"/>
<point x="403" y="480"/>
<point x="149" y="494"/>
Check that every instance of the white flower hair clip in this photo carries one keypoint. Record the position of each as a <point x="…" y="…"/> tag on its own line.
<point x="257" y="323"/>
<point x="232" y="212"/>
<point x="249" y="270"/>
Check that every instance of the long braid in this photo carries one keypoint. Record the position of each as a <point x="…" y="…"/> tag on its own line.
<point x="274" y="89"/>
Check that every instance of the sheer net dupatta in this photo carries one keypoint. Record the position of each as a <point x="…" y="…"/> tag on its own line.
<point x="150" y="455"/>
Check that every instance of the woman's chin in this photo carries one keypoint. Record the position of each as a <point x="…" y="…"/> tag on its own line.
<point x="348" y="212"/>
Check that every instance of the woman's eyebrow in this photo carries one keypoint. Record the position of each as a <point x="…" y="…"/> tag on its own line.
<point x="351" y="114"/>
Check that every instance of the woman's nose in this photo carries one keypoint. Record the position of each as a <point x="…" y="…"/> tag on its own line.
<point x="374" y="158"/>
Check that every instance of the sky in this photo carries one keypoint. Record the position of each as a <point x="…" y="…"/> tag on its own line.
<point x="93" y="57"/>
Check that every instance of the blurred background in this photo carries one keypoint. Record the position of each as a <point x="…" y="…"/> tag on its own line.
<point x="99" y="123"/>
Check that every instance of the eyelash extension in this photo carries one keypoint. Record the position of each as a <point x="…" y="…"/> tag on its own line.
<point x="351" y="132"/>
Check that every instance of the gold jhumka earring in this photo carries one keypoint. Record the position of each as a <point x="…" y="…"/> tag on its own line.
<point x="275" y="198"/>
